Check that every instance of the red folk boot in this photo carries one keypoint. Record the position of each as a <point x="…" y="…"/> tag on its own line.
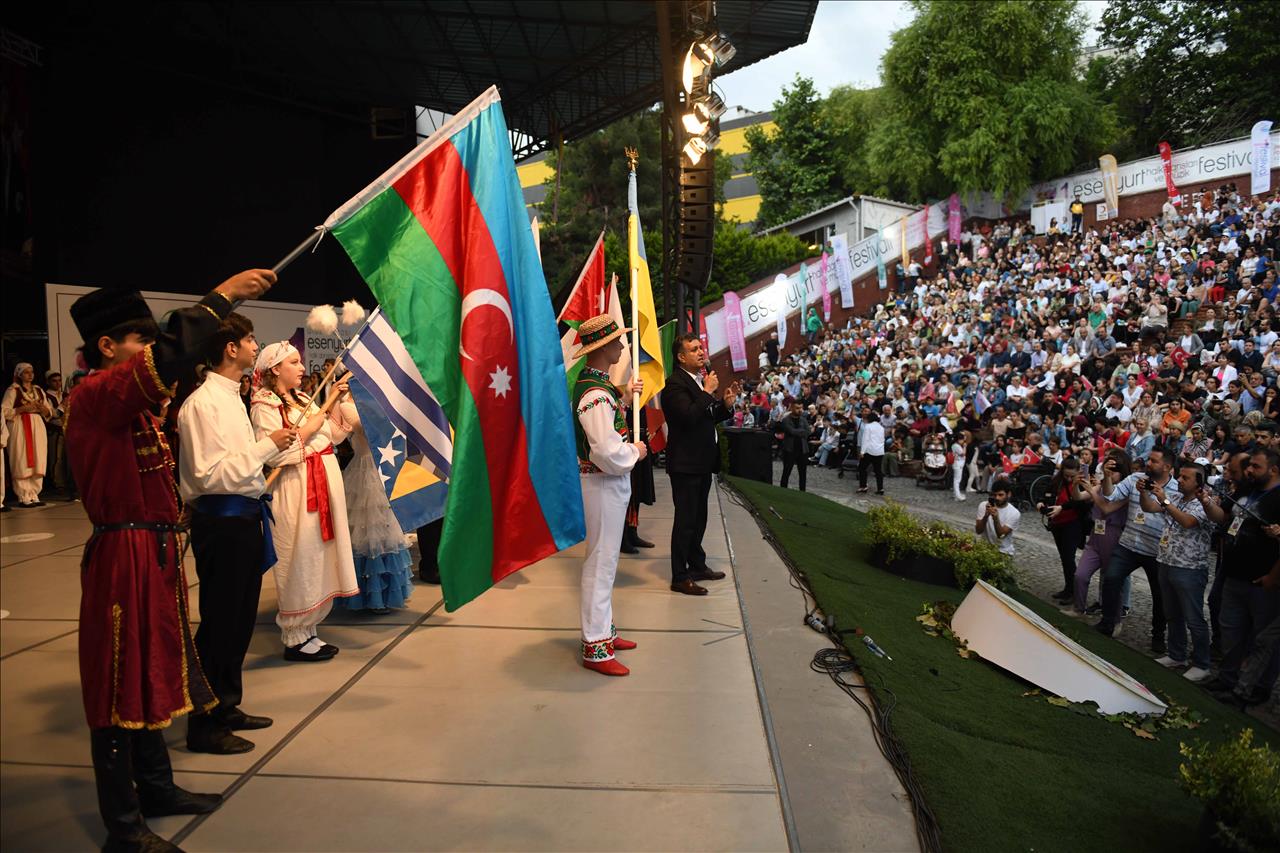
<point x="599" y="657"/>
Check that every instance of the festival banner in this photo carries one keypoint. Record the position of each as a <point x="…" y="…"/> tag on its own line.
<point x="1166" y="160"/>
<point x="1110" y="184"/>
<point x="954" y="218"/>
<point x="735" y="330"/>
<point x="1261" y="175"/>
<point x="826" y="291"/>
<point x="780" y="285"/>
<point x="840" y="247"/>
<point x="882" y="276"/>
<point x="924" y="235"/>
<point x="906" y="246"/>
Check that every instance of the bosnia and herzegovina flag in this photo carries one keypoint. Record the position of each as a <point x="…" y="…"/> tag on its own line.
<point x="647" y="334"/>
<point x="443" y="240"/>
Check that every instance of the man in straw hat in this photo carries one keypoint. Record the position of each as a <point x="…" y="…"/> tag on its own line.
<point x="606" y="456"/>
<point x="138" y="665"/>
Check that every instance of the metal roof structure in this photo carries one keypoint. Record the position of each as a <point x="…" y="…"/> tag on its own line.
<point x="564" y="67"/>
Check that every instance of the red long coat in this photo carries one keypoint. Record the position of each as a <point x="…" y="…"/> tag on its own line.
<point x="138" y="666"/>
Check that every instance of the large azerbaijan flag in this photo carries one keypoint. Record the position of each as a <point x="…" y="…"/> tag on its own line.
<point x="444" y="242"/>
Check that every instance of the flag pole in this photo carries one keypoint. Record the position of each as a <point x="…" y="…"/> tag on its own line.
<point x="308" y="243"/>
<point x="633" y="156"/>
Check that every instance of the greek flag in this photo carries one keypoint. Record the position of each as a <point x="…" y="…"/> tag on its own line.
<point x="409" y="436"/>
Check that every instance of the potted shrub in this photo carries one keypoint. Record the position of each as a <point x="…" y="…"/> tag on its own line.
<point x="1239" y="787"/>
<point x="935" y="552"/>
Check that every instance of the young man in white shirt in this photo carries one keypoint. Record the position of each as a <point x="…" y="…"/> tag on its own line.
<point x="997" y="518"/>
<point x="871" y="446"/>
<point x="220" y="466"/>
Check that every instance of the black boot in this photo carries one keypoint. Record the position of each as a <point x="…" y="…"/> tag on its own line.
<point x="127" y="832"/>
<point x="154" y="774"/>
<point x="634" y="533"/>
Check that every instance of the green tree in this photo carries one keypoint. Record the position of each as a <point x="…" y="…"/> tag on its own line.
<point x="794" y="165"/>
<point x="851" y="114"/>
<point x="742" y="258"/>
<point x="984" y="95"/>
<point x="1188" y="73"/>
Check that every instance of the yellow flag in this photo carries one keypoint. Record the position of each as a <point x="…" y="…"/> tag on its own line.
<point x="651" y="356"/>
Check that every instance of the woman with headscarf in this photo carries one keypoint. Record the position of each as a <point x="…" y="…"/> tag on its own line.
<point x="25" y="409"/>
<point x="314" y="563"/>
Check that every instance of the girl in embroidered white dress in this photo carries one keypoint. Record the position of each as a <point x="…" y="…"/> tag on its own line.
<point x="26" y="408"/>
<point x="313" y="545"/>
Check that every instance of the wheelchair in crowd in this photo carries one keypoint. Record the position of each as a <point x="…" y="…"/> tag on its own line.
<point x="1029" y="483"/>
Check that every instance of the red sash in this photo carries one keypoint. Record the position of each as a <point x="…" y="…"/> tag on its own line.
<point x="30" y="439"/>
<point x="318" y="491"/>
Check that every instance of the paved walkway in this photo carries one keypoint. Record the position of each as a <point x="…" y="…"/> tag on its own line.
<point x="472" y="730"/>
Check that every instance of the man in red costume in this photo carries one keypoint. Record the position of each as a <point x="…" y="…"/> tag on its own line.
<point x="138" y="666"/>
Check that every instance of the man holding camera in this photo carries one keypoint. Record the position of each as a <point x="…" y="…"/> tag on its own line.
<point x="1139" y="543"/>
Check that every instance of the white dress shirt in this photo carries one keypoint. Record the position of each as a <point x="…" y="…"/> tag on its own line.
<point x="219" y="455"/>
<point x="871" y="439"/>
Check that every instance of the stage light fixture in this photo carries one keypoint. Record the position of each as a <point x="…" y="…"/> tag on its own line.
<point x="716" y="50"/>
<point x="709" y="107"/>
<point x="710" y="139"/>
<point x="694" y="72"/>
<point x="694" y="149"/>
<point x="694" y="122"/>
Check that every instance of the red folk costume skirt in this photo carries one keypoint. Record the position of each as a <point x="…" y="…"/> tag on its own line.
<point x="138" y="664"/>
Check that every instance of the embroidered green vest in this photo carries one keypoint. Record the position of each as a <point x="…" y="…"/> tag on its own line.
<point x="590" y="379"/>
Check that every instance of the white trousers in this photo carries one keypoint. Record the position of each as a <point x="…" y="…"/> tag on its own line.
<point x="604" y="502"/>
<point x="297" y="628"/>
<point x="957" y="473"/>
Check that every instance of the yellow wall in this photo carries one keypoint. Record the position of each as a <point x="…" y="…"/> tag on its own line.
<point x="743" y="209"/>
<point x="533" y="174"/>
<point x="735" y="141"/>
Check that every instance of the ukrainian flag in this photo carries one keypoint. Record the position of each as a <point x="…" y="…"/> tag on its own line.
<point x="652" y="355"/>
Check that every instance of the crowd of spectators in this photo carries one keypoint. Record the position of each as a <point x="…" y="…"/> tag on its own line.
<point x="1131" y="366"/>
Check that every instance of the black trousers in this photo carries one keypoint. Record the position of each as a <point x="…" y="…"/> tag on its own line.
<point x="689" y="493"/>
<point x="793" y="460"/>
<point x="869" y="460"/>
<point x="228" y="551"/>
<point x="1067" y="539"/>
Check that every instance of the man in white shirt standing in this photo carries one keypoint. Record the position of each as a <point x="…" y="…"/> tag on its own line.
<point x="871" y="446"/>
<point x="220" y="467"/>
<point x="997" y="518"/>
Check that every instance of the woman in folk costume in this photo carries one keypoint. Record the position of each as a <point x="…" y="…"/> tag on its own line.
<point x="313" y="545"/>
<point x="26" y="408"/>
<point x="384" y="568"/>
<point x="605" y="459"/>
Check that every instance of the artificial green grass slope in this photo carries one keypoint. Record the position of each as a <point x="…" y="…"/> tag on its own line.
<point x="1001" y="771"/>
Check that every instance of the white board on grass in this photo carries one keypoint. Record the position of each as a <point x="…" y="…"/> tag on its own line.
<point x="1015" y="638"/>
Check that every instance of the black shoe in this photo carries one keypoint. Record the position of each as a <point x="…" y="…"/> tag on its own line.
<point x="879" y="491"/>
<point x="6" y="509"/>
<point x="862" y="490"/>
<point x="295" y="653"/>
<point x="326" y="647"/>
<point x="1094" y="609"/>
<point x="628" y="548"/>
<point x="218" y="741"/>
<point x="707" y="575"/>
<point x="1063" y="596"/>
<point x="1158" y="645"/>
<point x="640" y="543"/>
<point x="239" y="721"/>
<point x="431" y="577"/>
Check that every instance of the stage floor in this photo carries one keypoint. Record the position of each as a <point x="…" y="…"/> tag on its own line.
<point x="471" y="730"/>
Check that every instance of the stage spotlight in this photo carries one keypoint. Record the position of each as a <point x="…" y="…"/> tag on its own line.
<point x="710" y="139"/>
<point x="694" y="122"/>
<point x="694" y="149"/>
<point x="716" y="50"/>
<point x="694" y="72"/>
<point x="709" y="107"/>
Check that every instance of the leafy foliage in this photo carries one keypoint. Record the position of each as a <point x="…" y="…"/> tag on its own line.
<point x="1187" y="72"/>
<point x="742" y="258"/>
<point x="984" y="95"/>
<point x="794" y="165"/>
<point x="1239" y="784"/>
<point x="972" y="559"/>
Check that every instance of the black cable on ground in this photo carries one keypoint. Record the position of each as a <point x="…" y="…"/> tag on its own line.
<point x="838" y="660"/>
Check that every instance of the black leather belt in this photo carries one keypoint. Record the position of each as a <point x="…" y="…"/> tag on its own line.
<point x="161" y="529"/>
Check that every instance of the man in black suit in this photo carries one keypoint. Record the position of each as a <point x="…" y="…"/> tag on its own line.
<point x="795" y="443"/>
<point x="693" y="455"/>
